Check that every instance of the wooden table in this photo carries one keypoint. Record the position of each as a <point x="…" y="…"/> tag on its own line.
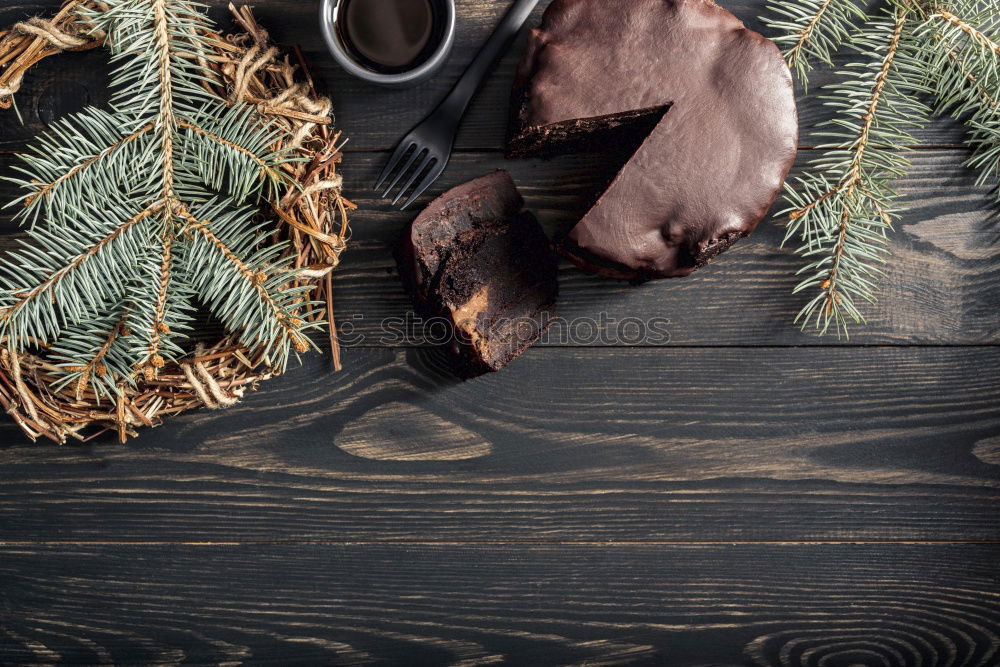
<point x="740" y="494"/>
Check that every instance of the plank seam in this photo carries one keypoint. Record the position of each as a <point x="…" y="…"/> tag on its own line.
<point x="474" y="543"/>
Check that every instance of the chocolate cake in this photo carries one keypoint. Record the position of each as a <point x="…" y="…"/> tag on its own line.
<point x="476" y="259"/>
<point x="709" y="103"/>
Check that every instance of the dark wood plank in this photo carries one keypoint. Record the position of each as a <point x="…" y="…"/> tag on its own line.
<point x="586" y="444"/>
<point x="897" y="606"/>
<point x="943" y="275"/>
<point x="374" y="118"/>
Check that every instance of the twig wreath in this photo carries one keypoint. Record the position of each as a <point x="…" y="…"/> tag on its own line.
<point x="225" y="123"/>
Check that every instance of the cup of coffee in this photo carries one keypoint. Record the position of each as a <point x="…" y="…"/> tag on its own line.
<point x="389" y="42"/>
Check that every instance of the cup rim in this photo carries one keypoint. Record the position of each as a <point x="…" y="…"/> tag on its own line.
<point x="336" y="48"/>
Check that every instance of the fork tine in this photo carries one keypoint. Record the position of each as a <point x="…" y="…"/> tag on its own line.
<point x="419" y="151"/>
<point x="397" y="154"/>
<point x="417" y="172"/>
<point x="426" y="183"/>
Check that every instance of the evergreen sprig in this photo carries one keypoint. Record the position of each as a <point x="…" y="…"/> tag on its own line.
<point x="914" y="59"/>
<point x="812" y="30"/>
<point x="137" y="215"/>
<point x="966" y="81"/>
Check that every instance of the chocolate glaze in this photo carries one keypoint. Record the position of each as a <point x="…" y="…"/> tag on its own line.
<point x="708" y="171"/>
<point x="473" y="257"/>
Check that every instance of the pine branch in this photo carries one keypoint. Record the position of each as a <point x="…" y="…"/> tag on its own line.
<point x="96" y="365"/>
<point x="242" y="150"/>
<point x="71" y="282"/>
<point x="161" y="319"/>
<point x="172" y="30"/>
<point x="812" y="30"/>
<point x="95" y="369"/>
<point x="843" y="210"/>
<point x="45" y="189"/>
<point x="844" y="207"/>
<point x="234" y="286"/>
<point x="979" y="90"/>
<point x="141" y="205"/>
<point x="964" y="69"/>
<point x="238" y="157"/>
<point x="975" y="34"/>
<point x="100" y="343"/>
<point x="82" y="153"/>
<point x="158" y="327"/>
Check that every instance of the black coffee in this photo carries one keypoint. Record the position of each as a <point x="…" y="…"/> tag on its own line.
<point x="389" y="35"/>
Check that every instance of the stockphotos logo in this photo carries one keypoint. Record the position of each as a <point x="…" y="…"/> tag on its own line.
<point x="411" y="329"/>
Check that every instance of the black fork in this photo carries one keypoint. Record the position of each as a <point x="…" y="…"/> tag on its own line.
<point x="424" y="152"/>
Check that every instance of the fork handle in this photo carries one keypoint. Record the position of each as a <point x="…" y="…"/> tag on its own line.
<point x="456" y="102"/>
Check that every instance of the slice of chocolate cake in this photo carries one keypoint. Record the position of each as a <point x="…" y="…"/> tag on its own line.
<point x="476" y="259"/>
<point x="710" y="101"/>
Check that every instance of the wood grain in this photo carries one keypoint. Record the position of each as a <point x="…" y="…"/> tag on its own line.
<point x="290" y="22"/>
<point x="821" y="605"/>
<point x="940" y="287"/>
<point x="735" y="494"/>
<point x="589" y="444"/>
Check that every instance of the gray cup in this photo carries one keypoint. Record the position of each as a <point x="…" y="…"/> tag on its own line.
<point x="328" y="16"/>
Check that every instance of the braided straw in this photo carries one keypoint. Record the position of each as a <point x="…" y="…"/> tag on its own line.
<point x="30" y="41"/>
<point x="245" y="68"/>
